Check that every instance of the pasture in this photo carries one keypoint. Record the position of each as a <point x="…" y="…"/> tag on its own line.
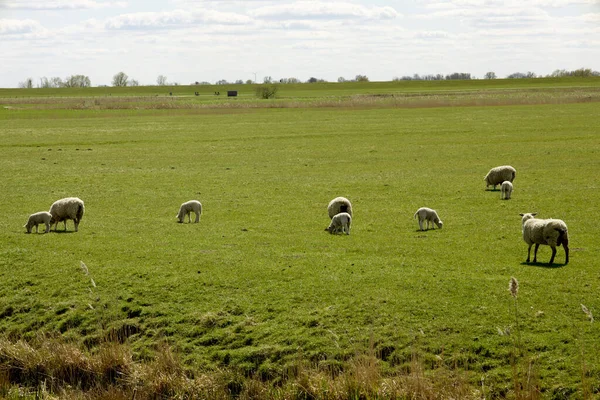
<point x="258" y="283"/>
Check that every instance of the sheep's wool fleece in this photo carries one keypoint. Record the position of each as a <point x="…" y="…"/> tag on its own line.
<point x="68" y="207"/>
<point x="337" y="205"/>
<point x="500" y="174"/>
<point x="543" y="231"/>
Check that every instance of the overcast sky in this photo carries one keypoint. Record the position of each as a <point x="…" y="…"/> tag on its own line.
<point x="209" y="40"/>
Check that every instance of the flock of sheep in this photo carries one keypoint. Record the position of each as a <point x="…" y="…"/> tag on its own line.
<point x="551" y="232"/>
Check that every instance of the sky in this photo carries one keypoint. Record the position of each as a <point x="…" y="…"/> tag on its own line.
<point x="208" y="40"/>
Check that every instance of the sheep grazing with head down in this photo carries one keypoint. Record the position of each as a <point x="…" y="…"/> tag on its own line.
<point x="429" y="216"/>
<point x="498" y="175"/>
<point x="506" y="190"/>
<point x="551" y="232"/>
<point x="340" y="223"/>
<point x="36" y="219"/>
<point x="187" y="208"/>
<point x="67" y="208"/>
<point x="339" y="205"/>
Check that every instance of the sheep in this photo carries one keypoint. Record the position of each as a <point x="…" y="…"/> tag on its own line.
<point x="551" y="232"/>
<point x="42" y="217"/>
<point x="187" y="208"/>
<point x="340" y="223"/>
<point x="498" y="175"/>
<point x="67" y="208"/>
<point x="506" y="190"/>
<point x="429" y="215"/>
<point x="338" y="205"/>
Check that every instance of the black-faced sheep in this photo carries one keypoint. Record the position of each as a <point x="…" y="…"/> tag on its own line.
<point x="339" y="205"/>
<point x="67" y="208"/>
<point x="38" y="218"/>
<point x="498" y="175"/>
<point x="429" y="216"/>
<point x="551" y="232"/>
<point x="340" y="223"/>
<point x="187" y="208"/>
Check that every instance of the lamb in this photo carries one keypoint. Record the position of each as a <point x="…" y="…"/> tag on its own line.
<point x="506" y="190"/>
<point x="42" y="217"/>
<point x="551" y="232"/>
<point x="339" y="205"/>
<point x="67" y="208"/>
<point x="340" y="223"/>
<point x="187" y="208"/>
<point x="429" y="215"/>
<point x="498" y="175"/>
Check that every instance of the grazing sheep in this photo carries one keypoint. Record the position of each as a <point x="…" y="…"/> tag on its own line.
<point x="187" y="208"/>
<point x="339" y="205"/>
<point x="498" y="175"/>
<point x="506" y="190"/>
<point x="42" y="217"/>
<point x="67" y="208"/>
<point x="340" y="223"/>
<point x="429" y="215"/>
<point x="551" y="232"/>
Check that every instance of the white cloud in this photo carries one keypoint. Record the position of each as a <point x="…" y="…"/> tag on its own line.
<point x="323" y="10"/>
<point x="59" y="4"/>
<point x="19" y="26"/>
<point x="173" y="19"/>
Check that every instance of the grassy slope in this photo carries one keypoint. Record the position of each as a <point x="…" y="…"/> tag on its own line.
<point x="258" y="280"/>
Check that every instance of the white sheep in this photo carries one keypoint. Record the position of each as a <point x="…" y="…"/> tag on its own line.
<point x="36" y="219"/>
<point x="67" y="208"/>
<point x="506" y="190"/>
<point x="187" y="208"/>
<point x="551" y="232"/>
<point x="498" y="175"/>
<point x="338" y="205"/>
<point x="340" y="223"/>
<point x="430" y="216"/>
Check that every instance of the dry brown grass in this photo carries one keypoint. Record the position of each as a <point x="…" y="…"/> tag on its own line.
<point x="53" y="369"/>
<point x="397" y="100"/>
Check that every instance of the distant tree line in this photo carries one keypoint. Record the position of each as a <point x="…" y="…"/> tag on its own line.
<point x="121" y="79"/>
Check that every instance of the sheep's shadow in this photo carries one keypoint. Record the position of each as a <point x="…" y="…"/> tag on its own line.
<point x="543" y="265"/>
<point x="62" y="232"/>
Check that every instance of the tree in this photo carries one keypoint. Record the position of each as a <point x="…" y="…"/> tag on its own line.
<point x="161" y="80"/>
<point x="133" y="82"/>
<point x="77" y="81"/>
<point x="267" y="79"/>
<point x="459" y="75"/>
<point x="361" y="78"/>
<point x="489" y="75"/>
<point x="120" y="79"/>
<point x="341" y="79"/>
<point x="239" y="82"/>
<point x="249" y="82"/>
<point x="222" y="82"/>
<point x="26" y="84"/>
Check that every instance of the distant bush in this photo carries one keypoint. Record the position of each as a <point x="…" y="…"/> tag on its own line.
<point x="266" y="91"/>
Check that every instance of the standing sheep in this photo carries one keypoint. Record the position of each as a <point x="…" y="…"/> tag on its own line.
<point x="498" y="175"/>
<point x="187" y="208"/>
<point x="340" y="223"/>
<point x="506" y="190"/>
<point x="551" y="232"/>
<point x="339" y="205"/>
<point x="430" y="216"/>
<point x="67" y="208"/>
<point x="36" y="219"/>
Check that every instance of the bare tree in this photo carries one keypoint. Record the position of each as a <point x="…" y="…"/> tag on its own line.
<point x="341" y="79"/>
<point x="489" y="75"/>
<point x="361" y="78"/>
<point x="267" y="79"/>
<point x="26" y="84"/>
<point x="161" y="80"/>
<point x="120" y="79"/>
<point x="77" y="81"/>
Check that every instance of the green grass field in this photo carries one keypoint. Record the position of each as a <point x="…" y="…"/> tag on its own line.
<point x="258" y="283"/>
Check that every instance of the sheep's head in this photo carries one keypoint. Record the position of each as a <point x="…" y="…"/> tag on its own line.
<point x="439" y="223"/>
<point x="179" y="218"/>
<point x="28" y="226"/>
<point x="527" y="216"/>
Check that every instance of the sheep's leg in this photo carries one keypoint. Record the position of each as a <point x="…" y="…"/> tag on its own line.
<point x="421" y="223"/>
<point x="197" y="217"/>
<point x="47" y="227"/>
<point x="65" y="221"/>
<point x="189" y="215"/>
<point x="553" y="254"/>
<point x="566" y="247"/>
<point x="529" y="252"/>
<point x="537" y="246"/>
<point x="76" y="222"/>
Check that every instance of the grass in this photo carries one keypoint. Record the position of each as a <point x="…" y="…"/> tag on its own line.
<point x="257" y="284"/>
